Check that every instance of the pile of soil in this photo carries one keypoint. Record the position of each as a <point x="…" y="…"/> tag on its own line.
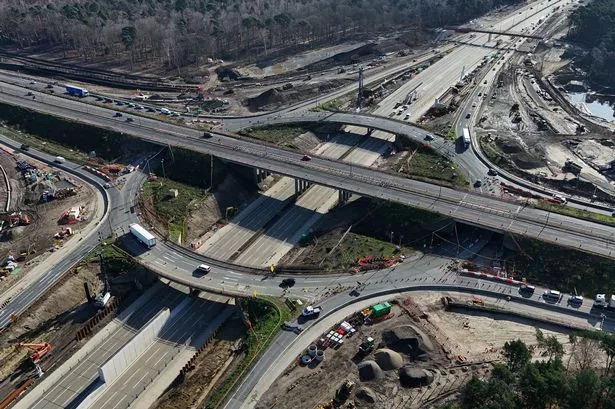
<point x="369" y="371"/>
<point x="410" y="377"/>
<point x="365" y="394"/>
<point x="388" y="359"/>
<point x="404" y="340"/>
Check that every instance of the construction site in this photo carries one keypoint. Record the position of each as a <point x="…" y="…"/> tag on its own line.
<point x="46" y="209"/>
<point x="408" y="352"/>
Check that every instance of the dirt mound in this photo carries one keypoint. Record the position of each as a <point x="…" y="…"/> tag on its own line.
<point x="365" y="394"/>
<point x="526" y="161"/>
<point x="405" y="340"/>
<point x="227" y="73"/>
<point x="388" y="359"/>
<point x="269" y="97"/>
<point x="369" y="371"/>
<point x="509" y="146"/>
<point x="414" y="377"/>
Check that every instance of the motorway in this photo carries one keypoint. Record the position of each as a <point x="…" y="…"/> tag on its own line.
<point x="70" y="389"/>
<point x="464" y="206"/>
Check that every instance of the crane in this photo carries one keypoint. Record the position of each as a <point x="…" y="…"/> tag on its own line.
<point x="39" y="350"/>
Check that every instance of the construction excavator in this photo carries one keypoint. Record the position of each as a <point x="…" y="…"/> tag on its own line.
<point x="38" y="351"/>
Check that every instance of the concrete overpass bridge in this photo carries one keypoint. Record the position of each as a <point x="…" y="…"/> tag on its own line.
<point x="469" y="207"/>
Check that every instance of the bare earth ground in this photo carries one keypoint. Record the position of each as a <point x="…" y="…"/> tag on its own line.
<point x="38" y="236"/>
<point x="54" y="319"/>
<point x="443" y="336"/>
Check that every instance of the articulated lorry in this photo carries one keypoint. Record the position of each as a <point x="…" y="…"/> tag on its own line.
<point x="76" y="91"/>
<point x="466" y="138"/>
<point x="142" y="235"/>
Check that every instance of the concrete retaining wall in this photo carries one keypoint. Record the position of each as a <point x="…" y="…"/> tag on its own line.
<point x="118" y="363"/>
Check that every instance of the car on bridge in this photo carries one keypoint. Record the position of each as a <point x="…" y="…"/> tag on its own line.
<point x="306" y="158"/>
<point x="203" y="268"/>
<point x="429" y="137"/>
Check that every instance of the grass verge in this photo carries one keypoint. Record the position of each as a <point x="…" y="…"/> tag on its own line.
<point x="266" y="315"/>
<point x="47" y="146"/>
<point x="575" y="212"/>
<point x="282" y="135"/>
<point x="354" y="246"/>
<point x="172" y="210"/>
<point x="563" y="269"/>
<point x="424" y="162"/>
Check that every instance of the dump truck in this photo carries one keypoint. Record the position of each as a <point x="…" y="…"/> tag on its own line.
<point x="142" y="235"/>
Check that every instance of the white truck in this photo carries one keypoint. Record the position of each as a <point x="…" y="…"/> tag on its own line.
<point x="142" y="235"/>
<point x="310" y="311"/>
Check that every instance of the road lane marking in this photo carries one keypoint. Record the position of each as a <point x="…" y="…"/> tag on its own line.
<point x="230" y="278"/>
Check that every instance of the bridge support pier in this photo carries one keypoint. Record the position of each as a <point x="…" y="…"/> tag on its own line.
<point x="301" y="186"/>
<point x="260" y="175"/>
<point x="343" y="197"/>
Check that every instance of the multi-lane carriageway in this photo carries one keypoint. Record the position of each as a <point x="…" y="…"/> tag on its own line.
<point x="467" y="207"/>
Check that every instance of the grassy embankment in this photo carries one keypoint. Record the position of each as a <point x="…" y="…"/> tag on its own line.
<point x="381" y="228"/>
<point x="422" y="162"/>
<point x="170" y="210"/>
<point x="563" y="268"/>
<point x="266" y="314"/>
<point x="575" y="212"/>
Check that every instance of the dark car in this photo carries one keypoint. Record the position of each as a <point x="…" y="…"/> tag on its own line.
<point x="117" y="114"/>
<point x="306" y="158"/>
<point x="492" y="172"/>
<point x="287" y="283"/>
<point x="429" y="137"/>
<point x="478" y="183"/>
<point x="527" y="290"/>
<point x="25" y="147"/>
<point x="468" y="116"/>
<point x="207" y="135"/>
<point x="129" y="120"/>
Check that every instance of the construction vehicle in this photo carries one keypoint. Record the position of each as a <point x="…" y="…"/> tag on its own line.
<point x="39" y="351"/>
<point x="366" y="346"/>
<point x="343" y="393"/>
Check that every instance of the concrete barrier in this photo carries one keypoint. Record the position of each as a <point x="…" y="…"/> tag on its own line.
<point x="124" y="358"/>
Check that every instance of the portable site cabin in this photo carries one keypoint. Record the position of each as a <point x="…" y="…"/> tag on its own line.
<point x="382" y="309"/>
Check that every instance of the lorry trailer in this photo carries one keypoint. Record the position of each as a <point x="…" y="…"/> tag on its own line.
<point x="466" y="138"/>
<point x="142" y="235"/>
<point x="76" y="91"/>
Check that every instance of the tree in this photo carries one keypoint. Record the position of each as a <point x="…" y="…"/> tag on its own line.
<point x="129" y="35"/>
<point x="585" y="389"/>
<point x="517" y="355"/>
<point x="543" y="384"/>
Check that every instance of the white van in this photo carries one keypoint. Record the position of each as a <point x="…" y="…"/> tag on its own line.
<point x="204" y="268"/>
<point x="165" y="111"/>
<point x="59" y="159"/>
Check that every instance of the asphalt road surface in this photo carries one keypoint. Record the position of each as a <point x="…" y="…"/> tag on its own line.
<point x="69" y="392"/>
